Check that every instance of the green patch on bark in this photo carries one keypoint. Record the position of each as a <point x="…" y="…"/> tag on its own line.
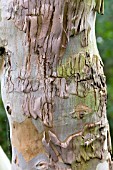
<point x="91" y="100"/>
<point x="89" y="165"/>
<point x="72" y="65"/>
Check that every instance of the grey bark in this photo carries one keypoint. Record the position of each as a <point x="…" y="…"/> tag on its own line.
<point x="4" y="161"/>
<point x="53" y="85"/>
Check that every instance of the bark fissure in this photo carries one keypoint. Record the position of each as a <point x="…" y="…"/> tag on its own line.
<point x="54" y="88"/>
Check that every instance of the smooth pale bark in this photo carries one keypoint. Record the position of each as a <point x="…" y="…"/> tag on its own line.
<point x="4" y="161"/>
<point x="53" y="85"/>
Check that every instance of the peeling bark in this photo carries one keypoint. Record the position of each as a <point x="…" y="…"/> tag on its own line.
<point x="53" y="85"/>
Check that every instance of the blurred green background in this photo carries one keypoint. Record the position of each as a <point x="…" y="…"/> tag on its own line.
<point x="104" y="33"/>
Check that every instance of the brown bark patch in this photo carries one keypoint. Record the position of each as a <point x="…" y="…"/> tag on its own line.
<point x="80" y="111"/>
<point x="27" y="139"/>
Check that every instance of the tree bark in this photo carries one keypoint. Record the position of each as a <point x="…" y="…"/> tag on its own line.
<point x="53" y="85"/>
<point x="4" y="161"/>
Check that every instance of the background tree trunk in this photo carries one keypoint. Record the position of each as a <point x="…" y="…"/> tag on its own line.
<point x="53" y="85"/>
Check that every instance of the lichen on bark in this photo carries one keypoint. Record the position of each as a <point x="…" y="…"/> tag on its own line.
<point x="53" y="85"/>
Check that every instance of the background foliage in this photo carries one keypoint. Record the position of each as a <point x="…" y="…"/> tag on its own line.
<point x="104" y="32"/>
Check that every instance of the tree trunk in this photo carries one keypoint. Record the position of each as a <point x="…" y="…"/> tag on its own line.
<point x="4" y="161"/>
<point x="53" y="85"/>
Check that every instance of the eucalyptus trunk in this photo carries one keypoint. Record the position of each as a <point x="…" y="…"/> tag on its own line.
<point x="53" y="85"/>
